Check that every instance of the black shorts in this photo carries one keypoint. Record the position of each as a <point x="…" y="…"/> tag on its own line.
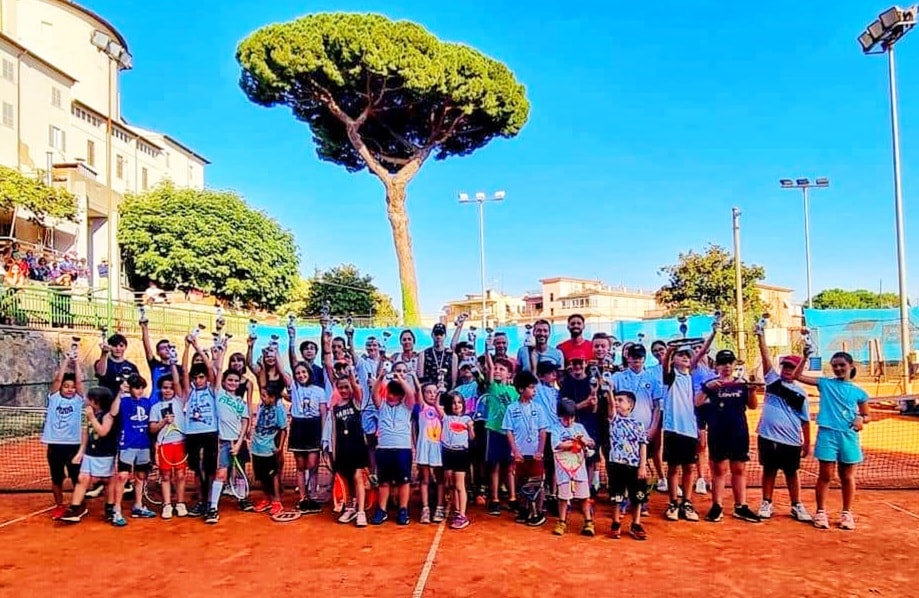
<point x="498" y="451"/>
<point x="679" y="449"/>
<point x="265" y="470"/>
<point x="347" y="463"/>
<point x="202" y="453"/>
<point x="479" y="443"/>
<point x="394" y="466"/>
<point x="624" y="483"/>
<point x="728" y="445"/>
<point x="776" y="456"/>
<point x="60" y="462"/>
<point x="455" y="459"/>
<point x="305" y="435"/>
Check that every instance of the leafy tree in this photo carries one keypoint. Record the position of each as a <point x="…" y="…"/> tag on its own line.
<point x="296" y="300"/>
<point x="207" y="240"/>
<point x="700" y="283"/>
<point x="19" y="190"/>
<point x="386" y="96"/>
<point x="857" y="299"/>
<point x="348" y="292"/>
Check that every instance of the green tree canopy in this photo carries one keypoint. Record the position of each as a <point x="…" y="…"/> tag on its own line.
<point x="207" y="240"/>
<point x="383" y="95"/>
<point x="857" y="299"/>
<point x="348" y="292"/>
<point x="19" y="190"/>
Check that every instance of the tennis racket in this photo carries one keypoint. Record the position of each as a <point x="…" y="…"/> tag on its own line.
<point x="325" y="479"/>
<point x="153" y="490"/>
<point x="339" y="494"/>
<point x="286" y="516"/>
<point x="531" y="491"/>
<point x="237" y="480"/>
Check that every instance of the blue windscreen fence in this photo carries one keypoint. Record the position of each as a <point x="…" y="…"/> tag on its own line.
<point x="853" y="329"/>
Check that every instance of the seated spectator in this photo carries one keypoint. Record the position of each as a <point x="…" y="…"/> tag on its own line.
<point x="154" y="294"/>
<point x="41" y="272"/>
<point x="14" y="276"/>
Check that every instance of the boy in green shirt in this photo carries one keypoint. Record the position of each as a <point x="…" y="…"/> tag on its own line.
<point x="498" y="395"/>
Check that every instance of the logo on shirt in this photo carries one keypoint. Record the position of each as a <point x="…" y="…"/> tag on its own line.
<point x="140" y="415"/>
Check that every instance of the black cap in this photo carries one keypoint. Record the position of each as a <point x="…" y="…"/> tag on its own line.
<point x="567" y="408"/>
<point x="724" y="357"/>
<point x="637" y="351"/>
<point x="439" y="329"/>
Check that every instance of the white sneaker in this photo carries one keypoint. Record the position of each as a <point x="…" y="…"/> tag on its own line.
<point x="348" y="515"/>
<point x="821" y="521"/>
<point x="679" y="491"/>
<point x="361" y="519"/>
<point x="799" y="513"/>
<point x="181" y="511"/>
<point x="167" y="511"/>
<point x="662" y="486"/>
<point x="766" y="511"/>
<point x="847" y="521"/>
<point x="426" y="515"/>
<point x="701" y="486"/>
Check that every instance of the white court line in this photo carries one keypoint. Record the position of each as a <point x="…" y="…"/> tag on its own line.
<point x="901" y="509"/>
<point x="24" y="517"/>
<point x="429" y="562"/>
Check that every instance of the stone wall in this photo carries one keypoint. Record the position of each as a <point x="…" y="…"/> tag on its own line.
<point x="29" y="359"/>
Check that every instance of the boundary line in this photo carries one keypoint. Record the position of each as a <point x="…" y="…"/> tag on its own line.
<point x="901" y="509"/>
<point x="24" y="517"/>
<point x="418" y="592"/>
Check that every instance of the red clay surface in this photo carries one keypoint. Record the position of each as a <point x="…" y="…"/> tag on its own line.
<point x="249" y="555"/>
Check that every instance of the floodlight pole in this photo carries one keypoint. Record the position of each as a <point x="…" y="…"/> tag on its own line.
<point x="480" y="198"/>
<point x="905" y="342"/>
<point x="738" y="284"/>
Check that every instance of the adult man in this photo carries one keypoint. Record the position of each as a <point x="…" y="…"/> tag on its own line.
<point x="576" y="347"/>
<point x="528" y="357"/>
<point x="437" y="360"/>
<point x="501" y="345"/>
<point x="158" y="362"/>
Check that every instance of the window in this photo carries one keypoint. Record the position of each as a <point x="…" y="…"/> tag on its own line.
<point x="9" y="70"/>
<point x="143" y="179"/>
<point x="8" y="115"/>
<point x="91" y="153"/>
<point x="56" y="138"/>
<point x="56" y="97"/>
<point x="119" y="166"/>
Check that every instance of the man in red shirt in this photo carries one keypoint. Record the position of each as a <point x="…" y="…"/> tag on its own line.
<point x="576" y="347"/>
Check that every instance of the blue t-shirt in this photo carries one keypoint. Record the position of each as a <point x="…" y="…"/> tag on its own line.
<point x="269" y="421"/>
<point x="231" y="411"/>
<point x="135" y="423"/>
<point x="158" y="369"/>
<point x="470" y="393"/>
<point x="63" y="420"/>
<point x="839" y="401"/>
<point x="679" y="408"/>
<point x="175" y="432"/>
<point x="394" y="426"/>
<point x="305" y="400"/>
<point x="780" y="420"/>
<point x="547" y="399"/>
<point x="626" y="435"/>
<point x="201" y="411"/>
<point x="551" y="354"/>
<point x="525" y="421"/>
<point x="647" y="389"/>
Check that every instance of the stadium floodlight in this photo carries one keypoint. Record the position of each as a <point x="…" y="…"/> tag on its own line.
<point x="804" y="185"/>
<point x="786" y="183"/>
<point x="879" y="38"/>
<point x="480" y="198"/>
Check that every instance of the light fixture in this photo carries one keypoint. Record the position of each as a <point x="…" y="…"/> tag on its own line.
<point x="786" y="183"/>
<point x="464" y="197"/>
<point x="499" y="195"/>
<point x="100" y="40"/>
<point x="480" y="196"/>
<point x="822" y="182"/>
<point x="888" y="28"/>
<point x="802" y="182"/>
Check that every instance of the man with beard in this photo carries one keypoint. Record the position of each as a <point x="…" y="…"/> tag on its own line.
<point x="576" y="347"/>
<point x="528" y="357"/>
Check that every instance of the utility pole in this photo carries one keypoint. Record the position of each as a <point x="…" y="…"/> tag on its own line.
<point x="738" y="283"/>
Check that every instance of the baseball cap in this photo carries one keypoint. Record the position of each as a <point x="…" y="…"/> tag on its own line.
<point x="439" y="329"/>
<point x="637" y="351"/>
<point x="792" y="360"/>
<point x="724" y="357"/>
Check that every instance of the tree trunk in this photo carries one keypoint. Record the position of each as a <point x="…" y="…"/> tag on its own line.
<point x="398" y="220"/>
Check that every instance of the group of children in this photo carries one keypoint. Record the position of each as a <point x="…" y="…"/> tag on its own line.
<point x="535" y="428"/>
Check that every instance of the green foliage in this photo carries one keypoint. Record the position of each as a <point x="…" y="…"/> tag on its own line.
<point x="18" y="190"/>
<point x="207" y="240"/>
<point x="348" y="292"/>
<point x="857" y="299"/>
<point x="296" y="300"/>
<point x="701" y="283"/>
<point x="411" y="92"/>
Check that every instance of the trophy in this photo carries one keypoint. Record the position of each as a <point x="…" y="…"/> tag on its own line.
<point x="324" y="312"/>
<point x="471" y="336"/>
<point x="386" y="336"/>
<point x="143" y="319"/>
<point x="349" y="326"/>
<point x="196" y="331"/>
<point x="810" y="347"/>
<point x="442" y="378"/>
<point x="74" y="347"/>
<point x="529" y="340"/>
<point x="253" y="333"/>
<point x="716" y="319"/>
<point x="173" y="354"/>
<point x="490" y="339"/>
<point x="274" y="343"/>
<point x="217" y="343"/>
<point x="761" y="324"/>
<point x="103" y="340"/>
<point x="684" y="329"/>
<point x="291" y="325"/>
<point x="641" y="338"/>
<point x="461" y="318"/>
<point x="221" y="321"/>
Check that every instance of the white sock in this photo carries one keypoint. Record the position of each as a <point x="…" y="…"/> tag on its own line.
<point x="216" y="489"/>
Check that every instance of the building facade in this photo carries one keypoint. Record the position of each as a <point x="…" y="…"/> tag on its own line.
<point x="60" y="110"/>
<point x="500" y="309"/>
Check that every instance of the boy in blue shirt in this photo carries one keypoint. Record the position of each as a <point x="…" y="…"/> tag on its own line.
<point x="200" y="424"/>
<point x="62" y="429"/>
<point x="133" y="448"/>
<point x="525" y="425"/>
<point x="268" y="449"/>
<point x="628" y="463"/>
<point x="394" y="400"/>
<point x="681" y="431"/>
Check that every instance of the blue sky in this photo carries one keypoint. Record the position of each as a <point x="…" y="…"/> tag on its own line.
<point x="647" y="125"/>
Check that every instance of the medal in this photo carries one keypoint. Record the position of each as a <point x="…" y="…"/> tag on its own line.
<point x="345" y="432"/>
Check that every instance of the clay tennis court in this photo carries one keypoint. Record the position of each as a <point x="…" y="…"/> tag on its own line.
<point x="249" y="555"/>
